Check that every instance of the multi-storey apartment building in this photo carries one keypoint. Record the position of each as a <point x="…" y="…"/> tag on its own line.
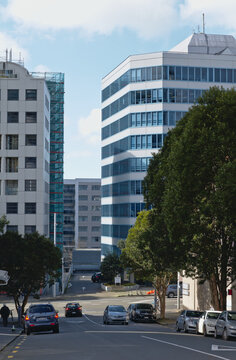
<point x="31" y="117"/>
<point x="82" y="213"/>
<point x="142" y="98"/>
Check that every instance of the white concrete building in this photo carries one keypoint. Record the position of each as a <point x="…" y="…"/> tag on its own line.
<point x="24" y="149"/>
<point x="82" y="213"/>
<point x="142" y="98"/>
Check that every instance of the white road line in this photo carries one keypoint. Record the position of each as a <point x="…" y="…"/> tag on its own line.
<point x="222" y="348"/>
<point x="94" y="322"/>
<point x="185" y="347"/>
<point x="126" y="331"/>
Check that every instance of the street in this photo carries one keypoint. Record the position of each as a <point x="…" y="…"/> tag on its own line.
<point x="87" y="338"/>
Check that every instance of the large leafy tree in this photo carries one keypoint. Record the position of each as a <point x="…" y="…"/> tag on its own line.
<point x="193" y="179"/>
<point x="32" y="262"/>
<point x="3" y="223"/>
<point x="148" y="253"/>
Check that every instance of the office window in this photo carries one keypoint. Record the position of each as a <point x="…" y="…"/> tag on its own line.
<point x="47" y="102"/>
<point x="83" y="238"/>
<point x="11" y="187"/>
<point x="96" y="238"/>
<point x="95" y="228"/>
<point x="83" y="218"/>
<point x="96" y="198"/>
<point x="46" y="123"/>
<point x="30" y="185"/>
<point x="11" y="164"/>
<point x="96" y="187"/>
<point x="30" y="117"/>
<point x="30" y="162"/>
<point x="30" y="140"/>
<point x="13" y="94"/>
<point x="96" y="208"/>
<point x="46" y="145"/>
<point x="12" y="142"/>
<point x="29" y="229"/>
<point x="31" y="94"/>
<point x="83" y="197"/>
<point x="96" y="218"/>
<point x="30" y="208"/>
<point x="13" y="228"/>
<point x="83" y="228"/>
<point x="83" y="187"/>
<point x="12" y="117"/>
<point x="83" y="208"/>
<point x="12" y="208"/>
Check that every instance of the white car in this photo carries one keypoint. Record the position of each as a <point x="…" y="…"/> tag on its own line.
<point x="207" y="321"/>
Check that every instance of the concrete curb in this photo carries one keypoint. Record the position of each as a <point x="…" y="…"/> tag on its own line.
<point x="7" y="344"/>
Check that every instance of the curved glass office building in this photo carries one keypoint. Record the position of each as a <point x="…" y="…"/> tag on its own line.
<point x="142" y="98"/>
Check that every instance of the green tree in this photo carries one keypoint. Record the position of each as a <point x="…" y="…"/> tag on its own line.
<point x="3" y="223"/>
<point x="110" y="267"/>
<point x="32" y="262"/>
<point x="149" y="254"/>
<point x="193" y="179"/>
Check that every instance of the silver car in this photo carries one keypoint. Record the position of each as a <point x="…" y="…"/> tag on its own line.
<point x="115" y="314"/>
<point x="188" y="320"/>
<point x="207" y="321"/>
<point x="226" y="325"/>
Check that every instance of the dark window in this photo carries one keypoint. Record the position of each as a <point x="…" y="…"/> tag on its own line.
<point x="12" y="117"/>
<point x="11" y="187"/>
<point x="30" y="117"/>
<point x="29" y="229"/>
<point x="11" y="164"/>
<point x="31" y="140"/>
<point x="12" y="208"/>
<point x="12" y="142"/>
<point x="30" y="185"/>
<point x="30" y="208"/>
<point x="31" y="94"/>
<point x="13" y="94"/>
<point x="30" y="162"/>
<point x="13" y="228"/>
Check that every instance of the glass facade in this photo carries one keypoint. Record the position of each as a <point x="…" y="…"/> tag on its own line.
<point x="170" y="72"/>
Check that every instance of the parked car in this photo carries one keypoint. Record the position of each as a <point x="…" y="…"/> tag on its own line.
<point x="207" y="321"/>
<point x="115" y="314"/>
<point x="73" y="309"/>
<point x="41" y="317"/>
<point x="188" y="320"/>
<point x="142" y="312"/>
<point x="96" y="277"/>
<point x="172" y="290"/>
<point x="129" y="310"/>
<point x="226" y="325"/>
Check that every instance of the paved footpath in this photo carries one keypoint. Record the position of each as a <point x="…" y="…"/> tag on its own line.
<point x="8" y="334"/>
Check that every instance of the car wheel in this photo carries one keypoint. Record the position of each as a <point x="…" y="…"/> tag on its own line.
<point x="177" y="327"/>
<point x="28" y="331"/>
<point x="56" y="329"/>
<point x="171" y="295"/>
<point x="204" y="330"/>
<point x="185" y="329"/>
<point x="126" y="323"/>
<point x="215" y="334"/>
<point x="225" y="335"/>
<point x="197" y="332"/>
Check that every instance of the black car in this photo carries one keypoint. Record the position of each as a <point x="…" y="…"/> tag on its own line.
<point x="41" y="317"/>
<point x="142" y="312"/>
<point x="73" y="309"/>
<point x="96" y="277"/>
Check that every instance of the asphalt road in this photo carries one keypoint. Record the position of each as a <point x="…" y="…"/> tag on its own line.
<point x="87" y="338"/>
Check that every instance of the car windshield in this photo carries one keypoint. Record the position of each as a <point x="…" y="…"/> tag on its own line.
<point x="232" y="316"/>
<point x="193" y="313"/>
<point x="144" y="306"/>
<point x="72" y="305"/>
<point x="212" y="315"/>
<point x="116" y="308"/>
<point x="41" y="309"/>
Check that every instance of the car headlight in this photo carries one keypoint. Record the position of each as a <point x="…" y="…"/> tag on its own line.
<point x="232" y="328"/>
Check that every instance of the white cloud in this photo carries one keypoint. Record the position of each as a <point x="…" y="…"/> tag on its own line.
<point x="149" y="18"/>
<point x="89" y="127"/>
<point x="217" y="13"/>
<point x="7" y="42"/>
<point x="41" y="68"/>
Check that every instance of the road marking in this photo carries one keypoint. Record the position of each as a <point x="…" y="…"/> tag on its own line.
<point x="14" y="351"/>
<point x="185" y="347"/>
<point x="222" y="348"/>
<point x="10" y="356"/>
<point x="94" y="322"/>
<point x="130" y="332"/>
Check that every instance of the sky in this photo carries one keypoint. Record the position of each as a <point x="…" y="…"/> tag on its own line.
<point x="87" y="39"/>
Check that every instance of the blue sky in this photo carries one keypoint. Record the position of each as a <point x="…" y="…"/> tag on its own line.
<point x="87" y="39"/>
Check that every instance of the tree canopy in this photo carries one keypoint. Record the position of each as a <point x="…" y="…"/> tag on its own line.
<point x="193" y="181"/>
<point x="3" y="223"/>
<point x="32" y="262"/>
<point x="110" y="267"/>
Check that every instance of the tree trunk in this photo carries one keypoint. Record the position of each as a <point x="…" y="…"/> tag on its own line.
<point x="161" y="283"/>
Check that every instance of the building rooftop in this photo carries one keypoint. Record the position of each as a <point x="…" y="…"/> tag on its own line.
<point x="207" y="44"/>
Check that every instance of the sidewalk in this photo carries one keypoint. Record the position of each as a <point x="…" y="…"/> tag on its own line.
<point x="7" y="335"/>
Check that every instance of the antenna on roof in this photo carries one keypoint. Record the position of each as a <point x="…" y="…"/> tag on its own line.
<point x="203" y="23"/>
